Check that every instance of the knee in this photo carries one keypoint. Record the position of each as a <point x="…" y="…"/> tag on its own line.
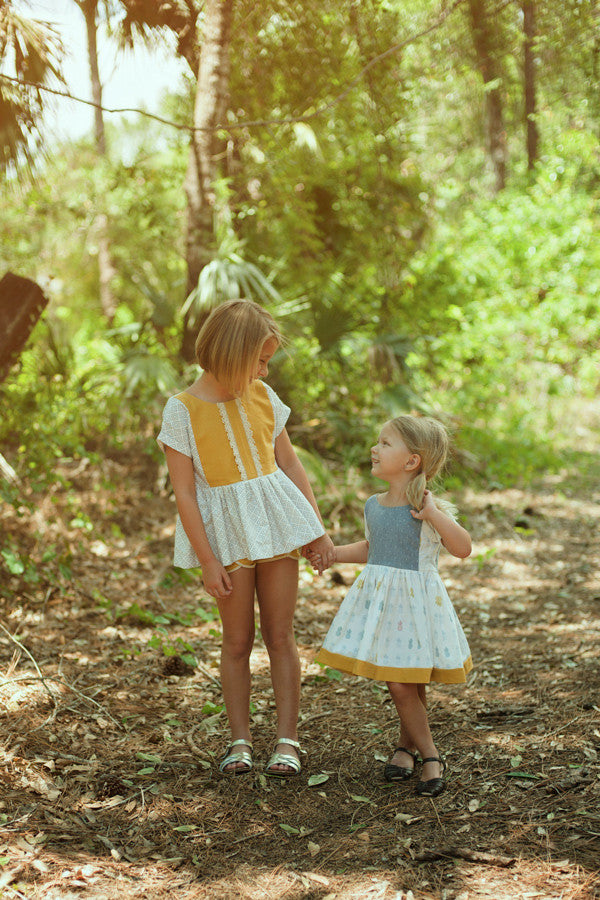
<point x="279" y="640"/>
<point x="238" y="647"/>
<point x="402" y="693"/>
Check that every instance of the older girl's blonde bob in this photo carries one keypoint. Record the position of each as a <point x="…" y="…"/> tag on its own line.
<point x="230" y="342"/>
<point x="428" y="439"/>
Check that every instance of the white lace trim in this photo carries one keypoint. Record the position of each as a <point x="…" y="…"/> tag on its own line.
<point x="232" y="442"/>
<point x="249" y="436"/>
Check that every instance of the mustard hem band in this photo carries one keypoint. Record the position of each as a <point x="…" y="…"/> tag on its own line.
<point x="390" y="673"/>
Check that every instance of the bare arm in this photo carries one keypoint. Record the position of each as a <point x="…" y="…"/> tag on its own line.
<point x="455" y="538"/>
<point x="352" y="553"/>
<point x="181" y="471"/>
<point x="345" y="553"/>
<point x="288" y="462"/>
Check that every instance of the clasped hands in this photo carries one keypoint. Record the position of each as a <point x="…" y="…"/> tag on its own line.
<point x="320" y="553"/>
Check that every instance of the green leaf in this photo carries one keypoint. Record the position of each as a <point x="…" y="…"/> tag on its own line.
<point x="521" y="775"/>
<point x="317" y="779"/>
<point x="211" y="708"/>
<point x="492" y="85"/>
<point x="14" y="565"/>
<point x="289" y="829"/>
<point x="149" y="757"/>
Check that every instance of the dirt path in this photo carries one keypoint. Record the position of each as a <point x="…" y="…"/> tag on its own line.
<point x="108" y="764"/>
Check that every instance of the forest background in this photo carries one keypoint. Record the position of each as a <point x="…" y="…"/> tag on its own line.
<point x="410" y="188"/>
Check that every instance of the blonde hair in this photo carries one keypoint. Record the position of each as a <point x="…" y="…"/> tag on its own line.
<point x="230" y="341"/>
<point x="428" y="439"/>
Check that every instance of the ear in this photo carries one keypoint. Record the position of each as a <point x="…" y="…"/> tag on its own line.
<point x="413" y="463"/>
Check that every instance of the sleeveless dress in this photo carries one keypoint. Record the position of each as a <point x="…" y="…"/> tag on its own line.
<point x="397" y="622"/>
<point x="250" y="509"/>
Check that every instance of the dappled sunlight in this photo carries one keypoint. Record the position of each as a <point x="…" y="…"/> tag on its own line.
<point x="114" y="782"/>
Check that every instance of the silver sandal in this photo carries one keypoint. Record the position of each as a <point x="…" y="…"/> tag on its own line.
<point x="284" y="759"/>
<point x="238" y="756"/>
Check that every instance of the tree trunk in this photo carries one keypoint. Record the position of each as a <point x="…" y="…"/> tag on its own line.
<point x="203" y="166"/>
<point x="529" y="31"/>
<point x="22" y="302"/>
<point x="482" y="30"/>
<point x="106" y="270"/>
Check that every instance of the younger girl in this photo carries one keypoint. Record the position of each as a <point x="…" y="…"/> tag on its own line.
<point x="397" y="623"/>
<point x="245" y="508"/>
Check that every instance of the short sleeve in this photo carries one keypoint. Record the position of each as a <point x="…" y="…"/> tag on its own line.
<point x="280" y="410"/>
<point x="175" y="430"/>
<point x="367" y="531"/>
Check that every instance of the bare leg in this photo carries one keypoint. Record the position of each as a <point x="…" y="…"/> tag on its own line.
<point x="276" y="589"/>
<point x="415" y="725"/>
<point x="402" y="759"/>
<point x="237" y="618"/>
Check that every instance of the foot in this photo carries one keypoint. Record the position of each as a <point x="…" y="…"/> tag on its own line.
<point x="285" y="760"/>
<point x="432" y="780"/>
<point x="238" y="758"/>
<point x="401" y="766"/>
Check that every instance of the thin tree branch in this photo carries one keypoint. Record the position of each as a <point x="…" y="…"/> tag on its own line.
<point x="44" y="679"/>
<point x="258" y="123"/>
<point x="22" y="647"/>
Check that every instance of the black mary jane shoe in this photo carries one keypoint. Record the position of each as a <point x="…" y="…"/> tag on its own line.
<point x="399" y="773"/>
<point x="434" y="786"/>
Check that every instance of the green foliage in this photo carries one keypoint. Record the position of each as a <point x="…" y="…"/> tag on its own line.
<point x="29" y="52"/>
<point x="328" y="674"/>
<point x="517" y="338"/>
<point x="366" y="228"/>
<point x="228" y="276"/>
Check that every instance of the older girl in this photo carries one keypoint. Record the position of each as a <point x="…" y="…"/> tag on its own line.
<point x="245" y="510"/>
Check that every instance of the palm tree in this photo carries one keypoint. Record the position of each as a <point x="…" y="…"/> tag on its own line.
<point x="30" y="53"/>
<point x="211" y="71"/>
<point x="106" y="269"/>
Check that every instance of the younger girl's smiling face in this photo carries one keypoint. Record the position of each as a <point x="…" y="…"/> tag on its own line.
<point x="390" y="456"/>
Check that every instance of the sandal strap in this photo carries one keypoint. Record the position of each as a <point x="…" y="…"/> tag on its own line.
<point x="239" y="756"/>
<point x="239" y="743"/>
<point x="404" y="750"/>
<point x="292" y="743"/>
<point x="436" y="759"/>
<point x="284" y="759"/>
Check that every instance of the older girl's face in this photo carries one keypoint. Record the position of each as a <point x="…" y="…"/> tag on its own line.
<point x="268" y="349"/>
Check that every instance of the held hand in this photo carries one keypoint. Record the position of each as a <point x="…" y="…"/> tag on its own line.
<point x="216" y="580"/>
<point x="314" y="559"/>
<point x="320" y="553"/>
<point x="428" y="508"/>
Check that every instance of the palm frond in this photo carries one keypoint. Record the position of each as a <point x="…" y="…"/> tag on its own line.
<point x="30" y="53"/>
<point x="228" y="277"/>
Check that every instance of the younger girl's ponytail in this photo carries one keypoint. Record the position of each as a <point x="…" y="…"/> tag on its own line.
<point x="416" y="491"/>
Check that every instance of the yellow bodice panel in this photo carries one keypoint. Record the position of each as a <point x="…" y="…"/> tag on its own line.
<point x="234" y="439"/>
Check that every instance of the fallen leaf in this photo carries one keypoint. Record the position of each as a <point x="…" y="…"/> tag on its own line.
<point x="320" y="879"/>
<point x="317" y="779"/>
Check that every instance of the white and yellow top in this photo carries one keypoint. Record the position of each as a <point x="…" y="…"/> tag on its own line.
<point x="250" y="508"/>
